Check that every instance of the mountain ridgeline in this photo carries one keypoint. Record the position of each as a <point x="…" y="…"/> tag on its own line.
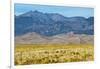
<point x="50" y="24"/>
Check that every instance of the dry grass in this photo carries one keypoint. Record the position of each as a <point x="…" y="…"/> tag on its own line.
<point x="52" y="53"/>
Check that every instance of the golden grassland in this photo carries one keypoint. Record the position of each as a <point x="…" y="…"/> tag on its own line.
<point x="26" y="54"/>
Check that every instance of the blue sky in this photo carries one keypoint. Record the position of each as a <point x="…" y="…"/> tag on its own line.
<point x="64" y="10"/>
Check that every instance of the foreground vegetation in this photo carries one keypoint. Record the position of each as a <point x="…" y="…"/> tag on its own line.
<point x="26" y="54"/>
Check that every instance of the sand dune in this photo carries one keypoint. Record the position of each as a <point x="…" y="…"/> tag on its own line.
<point x="69" y="38"/>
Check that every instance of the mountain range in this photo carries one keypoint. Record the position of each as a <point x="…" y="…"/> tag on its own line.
<point x="51" y="24"/>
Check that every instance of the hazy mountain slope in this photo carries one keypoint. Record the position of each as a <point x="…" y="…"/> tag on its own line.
<point x="50" y="24"/>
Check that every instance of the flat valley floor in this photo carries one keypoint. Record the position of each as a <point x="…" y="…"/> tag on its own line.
<point x="27" y="54"/>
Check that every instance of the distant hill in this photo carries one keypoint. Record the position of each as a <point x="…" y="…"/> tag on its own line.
<point x="50" y="24"/>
